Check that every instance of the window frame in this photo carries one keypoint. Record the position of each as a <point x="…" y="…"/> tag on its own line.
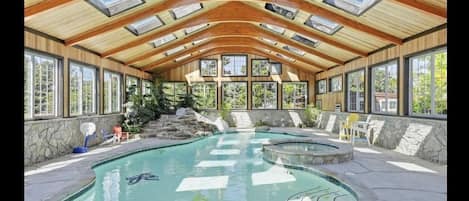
<point x="317" y="86"/>
<point x="216" y="93"/>
<point x="173" y="83"/>
<point x="276" y="95"/>
<point x="354" y="14"/>
<point x="122" y="95"/>
<point x="216" y="67"/>
<point x="60" y="88"/>
<point x="341" y="83"/>
<point x="142" y="85"/>
<point x="223" y="68"/>
<point x="371" y="89"/>
<point x="134" y="32"/>
<point x="347" y="109"/>
<point x="247" y="93"/>
<point x="316" y="29"/>
<point x="272" y="66"/>
<point x="307" y="95"/>
<point x="97" y="86"/>
<point x="268" y="69"/>
<point x="120" y="12"/>
<point x="152" y="43"/>
<point x="274" y="11"/>
<point x="174" y="14"/>
<point x="408" y="81"/>
<point x="266" y="27"/>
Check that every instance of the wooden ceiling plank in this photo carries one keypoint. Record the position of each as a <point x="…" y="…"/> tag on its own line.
<point x="128" y="19"/>
<point x="44" y="6"/>
<point x="423" y="7"/>
<point x="230" y="12"/>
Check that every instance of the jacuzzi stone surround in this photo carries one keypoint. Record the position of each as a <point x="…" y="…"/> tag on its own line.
<point x="48" y="139"/>
<point x="424" y="138"/>
<point x="342" y="153"/>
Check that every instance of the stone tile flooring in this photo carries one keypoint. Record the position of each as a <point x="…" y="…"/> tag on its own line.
<point x="375" y="174"/>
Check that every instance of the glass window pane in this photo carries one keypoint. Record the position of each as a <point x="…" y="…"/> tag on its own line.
<point x="208" y="67"/>
<point x="260" y="67"/>
<point x="112" y="92"/>
<point x="75" y="90"/>
<point x="234" y="65"/>
<point x="356" y="91"/>
<point x="294" y="95"/>
<point x="205" y="95"/>
<point x="28" y="79"/>
<point x="336" y="84"/>
<point x="264" y="95"/>
<point x="45" y="86"/>
<point x="235" y="94"/>
<point x="322" y="86"/>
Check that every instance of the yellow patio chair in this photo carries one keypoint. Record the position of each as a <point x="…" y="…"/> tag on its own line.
<point x="346" y="126"/>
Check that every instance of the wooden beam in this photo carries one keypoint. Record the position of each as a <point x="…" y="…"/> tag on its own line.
<point x="44" y="6"/>
<point x="317" y="10"/>
<point x="128" y="19"/>
<point x="421" y="6"/>
<point x="232" y="29"/>
<point x="230" y="12"/>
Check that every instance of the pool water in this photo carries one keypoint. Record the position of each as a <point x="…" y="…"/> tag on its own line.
<point x="304" y="146"/>
<point x="226" y="167"/>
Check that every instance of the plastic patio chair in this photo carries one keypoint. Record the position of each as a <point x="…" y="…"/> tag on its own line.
<point x="362" y="127"/>
<point x="346" y="126"/>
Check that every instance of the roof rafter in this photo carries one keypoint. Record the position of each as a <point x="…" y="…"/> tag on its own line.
<point x="232" y="29"/>
<point x="227" y="41"/>
<point x="230" y="12"/>
<point x="128" y="19"/>
<point x="423" y="7"/>
<point x="44" y="6"/>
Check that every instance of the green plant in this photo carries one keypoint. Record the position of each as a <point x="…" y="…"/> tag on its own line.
<point x="199" y="197"/>
<point x="260" y="123"/>
<point x="187" y="100"/>
<point x="225" y="111"/>
<point x="311" y="114"/>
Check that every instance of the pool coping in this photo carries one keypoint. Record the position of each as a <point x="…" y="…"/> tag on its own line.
<point x="360" y="192"/>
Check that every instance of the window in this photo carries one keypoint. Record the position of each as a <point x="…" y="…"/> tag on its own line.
<point x="272" y="42"/>
<point x="384" y="88"/>
<point x="199" y="41"/>
<point x="356" y="91"/>
<point x="146" y="87"/>
<point x="174" y="91"/>
<point x="195" y="28"/>
<point x="322" y="86"/>
<point x="260" y="67"/>
<point x="174" y="50"/>
<point x="183" y="11"/>
<point x="162" y="40"/>
<point x="335" y="84"/>
<point x="205" y="95"/>
<point x="234" y="65"/>
<point x="274" y="28"/>
<point x="41" y="86"/>
<point x="182" y="57"/>
<point x="208" y="67"/>
<point x="264" y="95"/>
<point x="285" y="11"/>
<point x="235" y="94"/>
<point x="294" y="50"/>
<point x="285" y="57"/>
<point x="145" y="25"/>
<point x="305" y="40"/>
<point x="322" y="24"/>
<point x="131" y="81"/>
<point x="355" y="7"/>
<point x="294" y="95"/>
<point x="112" y="92"/>
<point x="82" y="89"/>
<point x="275" y="68"/>
<point x="428" y="84"/>
<point x="114" y="7"/>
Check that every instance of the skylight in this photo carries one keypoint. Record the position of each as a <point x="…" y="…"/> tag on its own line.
<point x="285" y="11"/>
<point x="355" y="7"/>
<point x="182" y="57"/>
<point x="294" y="50"/>
<point x="274" y="28"/>
<point x="174" y="50"/>
<point x="114" y="7"/>
<point x="272" y="42"/>
<point x="183" y="11"/>
<point x="145" y="25"/>
<point x="162" y="40"/>
<point x="305" y="40"/>
<point x="285" y="57"/>
<point x="199" y="41"/>
<point x="195" y="28"/>
<point x="322" y="24"/>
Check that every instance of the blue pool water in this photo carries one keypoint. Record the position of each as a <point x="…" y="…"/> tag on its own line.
<point x="226" y="167"/>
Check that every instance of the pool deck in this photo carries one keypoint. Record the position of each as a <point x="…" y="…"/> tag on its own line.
<point x="374" y="173"/>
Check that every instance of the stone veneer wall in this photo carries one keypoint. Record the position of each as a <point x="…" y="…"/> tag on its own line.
<point x="274" y="118"/>
<point x="48" y="139"/>
<point x="424" y="138"/>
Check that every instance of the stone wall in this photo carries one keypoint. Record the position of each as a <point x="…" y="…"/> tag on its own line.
<point x="48" y="139"/>
<point x="274" y="118"/>
<point x="424" y="138"/>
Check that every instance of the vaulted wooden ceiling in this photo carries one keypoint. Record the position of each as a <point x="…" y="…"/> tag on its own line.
<point x="234" y="26"/>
